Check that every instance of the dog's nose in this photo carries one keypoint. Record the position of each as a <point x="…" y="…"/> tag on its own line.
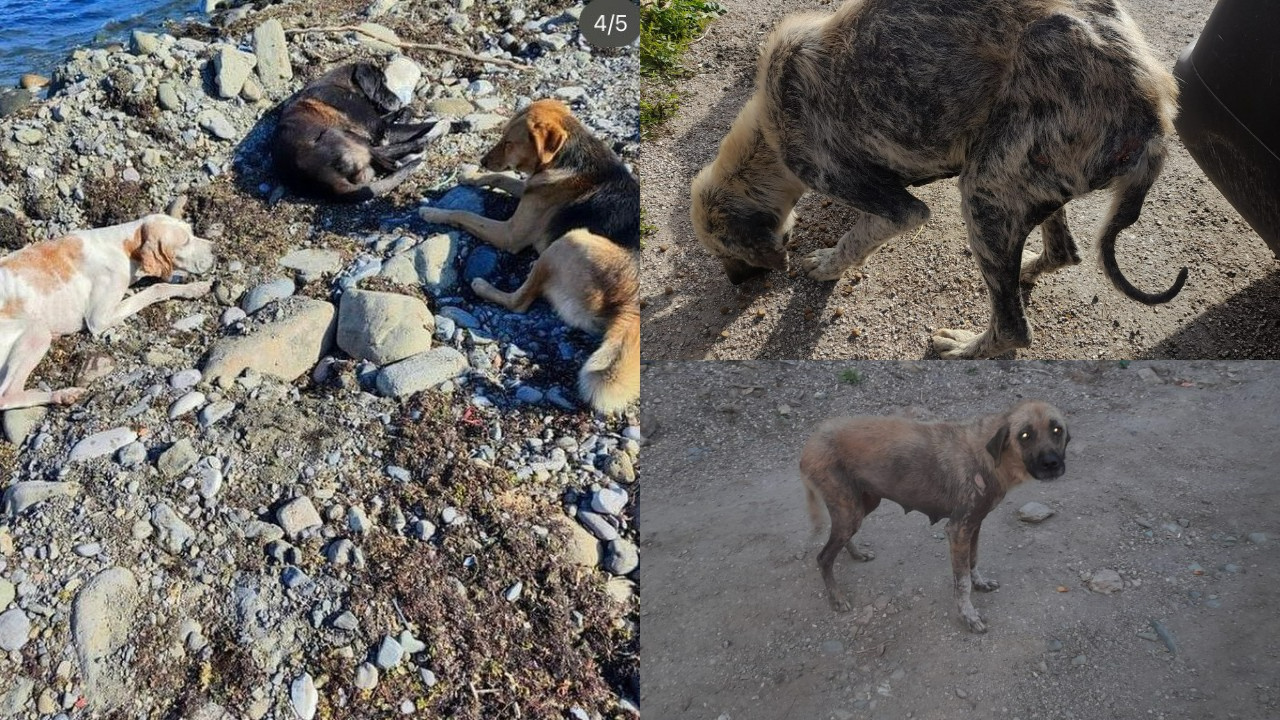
<point x="1051" y="463"/>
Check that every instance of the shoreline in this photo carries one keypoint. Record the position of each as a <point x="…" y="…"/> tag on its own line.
<point x="485" y="516"/>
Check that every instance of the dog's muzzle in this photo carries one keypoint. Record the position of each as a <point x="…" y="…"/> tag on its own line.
<point x="740" y="272"/>
<point x="1049" y="465"/>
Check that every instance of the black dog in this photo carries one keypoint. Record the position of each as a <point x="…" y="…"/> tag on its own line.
<point x="330" y="139"/>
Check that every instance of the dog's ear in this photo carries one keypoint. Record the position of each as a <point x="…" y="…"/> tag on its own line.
<point x="995" y="446"/>
<point x="153" y="246"/>
<point x="548" y="137"/>
<point x="373" y="84"/>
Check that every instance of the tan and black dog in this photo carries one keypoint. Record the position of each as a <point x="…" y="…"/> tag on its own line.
<point x="580" y="209"/>
<point x="959" y="471"/>
<point x="1030" y="102"/>
<point x="339" y="133"/>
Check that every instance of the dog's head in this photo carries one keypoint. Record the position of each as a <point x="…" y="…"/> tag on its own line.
<point x="1037" y="434"/>
<point x="162" y="244"/>
<point x="732" y="222"/>
<point x="531" y="139"/>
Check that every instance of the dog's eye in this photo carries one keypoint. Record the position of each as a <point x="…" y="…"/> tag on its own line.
<point x="1024" y="435"/>
<point x="1056" y="429"/>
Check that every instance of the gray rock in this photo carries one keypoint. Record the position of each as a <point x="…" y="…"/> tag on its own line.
<point x="484" y="122"/>
<point x="1106" y="581"/>
<point x="15" y="630"/>
<point x="144" y="43"/>
<point x="346" y="621"/>
<point x="177" y="459"/>
<point x="609" y="500"/>
<point x="285" y="349"/>
<point x="7" y="593"/>
<point x="184" y="379"/>
<point x="259" y="297"/>
<point x="132" y="455"/>
<point x="366" y="676"/>
<point x="102" y="443"/>
<point x="623" y="558"/>
<point x="1258" y="538"/>
<point x="619" y="468"/>
<point x="459" y="317"/>
<point x="513" y="593"/>
<point x="11" y="101"/>
<point x="303" y="696"/>
<point x="172" y="532"/>
<point x="312" y="263"/>
<point x="421" y="372"/>
<point x="13" y="703"/>
<point x="481" y="263"/>
<point x="298" y="516"/>
<point x="389" y="653"/>
<point x="217" y="124"/>
<point x="411" y="644"/>
<point x="29" y="136"/>
<point x="102" y="619"/>
<point x="272" y="51"/>
<point x="186" y="404"/>
<point x="22" y="495"/>
<point x="598" y="525"/>
<point x="581" y="547"/>
<point x="450" y="107"/>
<point x="231" y="68"/>
<point x="214" y="412"/>
<point x="402" y="76"/>
<point x="528" y="395"/>
<point x="383" y="327"/>
<point x="168" y="97"/>
<point x="436" y="260"/>
<point x="20" y="422"/>
<point x="1034" y="512"/>
<point x="382" y="40"/>
<point x="89" y="549"/>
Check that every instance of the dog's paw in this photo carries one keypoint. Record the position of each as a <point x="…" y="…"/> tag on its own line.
<point x="434" y="215"/>
<point x="484" y="289"/>
<point x="822" y="265"/>
<point x="68" y="396"/>
<point x="838" y="602"/>
<point x="197" y="289"/>
<point x="973" y="620"/>
<point x="955" y="344"/>
<point x="470" y="175"/>
<point x="860" y="554"/>
<point x="984" y="584"/>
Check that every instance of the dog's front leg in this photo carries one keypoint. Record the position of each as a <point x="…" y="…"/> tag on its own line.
<point x="960" y="534"/>
<point x="980" y="583"/>
<point x="886" y="211"/>
<point x="507" y="184"/>
<point x="104" y="315"/>
<point x="495" y="232"/>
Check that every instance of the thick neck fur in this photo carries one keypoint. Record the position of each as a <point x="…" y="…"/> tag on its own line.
<point x="749" y="164"/>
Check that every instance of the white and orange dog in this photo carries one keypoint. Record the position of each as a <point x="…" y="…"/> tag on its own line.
<point x="62" y="286"/>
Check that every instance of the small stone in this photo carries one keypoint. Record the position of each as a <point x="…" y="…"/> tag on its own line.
<point x="346" y="621"/>
<point x="378" y="38"/>
<point x="168" y="97"/>
<point x="961" y="693"/>
<point x="7" y="593"/>
<point x="272" y="51"/>
<point x="91" y="549"/>
<point x="411" y="644"/>
<point x="265" y="293"/>
<point x="298" y="516"/>
<point x="32" y="81"/>
<point x="609" y="500"/>
<point x="529" y="395"/>
<point x="15" y="630"/>
<point x="22" y="495"/>
<point x="184" y="379"/>
<point x="421" y="372"/>
<point x="214" y="412"/>
<point x="174" y="534"/>
<point x="389" y="653"/>
<point x="303" y="696"/>
<point x="186" y="404"/>
<point x="312" y="263"/>
<point x="231" y="69"/>
<point x="102" y="443"/>
<point x="401" y="77"/>
<point x="450" y="107"/>
<point x="1106" y="581"/>
<point x="513" y="593"/>
<point x="21" y="422"/>
<point x="598" y="525"/>
<point x="132" y="455"/>
<point x="366" y="676"/>
<point x="484" y="122"/>
<point x="145" y="43"/>
<point x="1079" y="660"/>
<point x="177" y="459"/>
<point x="28" y="136"/>
<point x="383" y="327"/>
<point x="1034" y="512"/>
<point x="622" y="558"/>
<point x="216" y="124"/>
<point x="1258" y="538"/>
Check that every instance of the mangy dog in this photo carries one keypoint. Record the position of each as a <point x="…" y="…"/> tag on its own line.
<point x="62" y="286"/>
<point x="580" y="209"/>
<point x="1031" y="102"/>
<point x="337" y="134"/>
<point x="958" y="471"/>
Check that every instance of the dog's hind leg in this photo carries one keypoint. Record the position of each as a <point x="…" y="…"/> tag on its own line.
<point x="520" y="300"/>
<point x="406" y="132"/>
<point x="1059" y="248"/>
<point x="960" y="535"/>
<point x="887" y="210"/>
<point x="863" y="554"/>
<point x="980" y="583"/>
<point x="24" y="355"/>
<point x="846" y="514"/>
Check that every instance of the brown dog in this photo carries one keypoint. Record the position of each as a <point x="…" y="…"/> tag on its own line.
<point x="580" y="209"/>
<point x="339" y="133"/>
<point x="959" y="471"/>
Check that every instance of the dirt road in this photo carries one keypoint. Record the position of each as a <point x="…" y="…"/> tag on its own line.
<point x="915" y="285"/>
<point x="1166" y="473"/>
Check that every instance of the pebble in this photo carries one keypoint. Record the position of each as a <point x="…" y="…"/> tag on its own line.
<point x="184" y="379"/>
<point x="177" y="459"/>
<point x="1106" y="581"/>
<point x="267" y="292"/>
<point x="609" y="500"/>
<point x="217" y="124"/>
<point x="599" y="527"/>
<point x="411" y="644"/>
<point x="513" y="593"/>
<point x="132" y="455"/>
<point x="186" y="404"/>
<point x="421" y="372"/>
<point x="190" y="322"/>
<point x="7" y="593"/>
<point x="15" y="630"/>
<point x="389" y="653"/>
<point x="90" y="549"/>
<point x="529" y="395"/>
<point x="366" y="676"/>
<point x="173" y="533"/>
<point x="1258" y="538"/>
<point x="298" y="516"/>
<point x="622" y="558"/>
<point x="1034" y="512"/>
<point x="214" y="412"/>
<point x="346" y="621"/>
<point x="303" y="696"/>
<point x="102" y="443"/>
<point x="231" y="69"/>
<point x="22" y="495"/>
<point x="1079" y="660"/>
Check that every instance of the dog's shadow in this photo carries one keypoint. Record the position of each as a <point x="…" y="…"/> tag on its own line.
<point x="1242" y="327"/>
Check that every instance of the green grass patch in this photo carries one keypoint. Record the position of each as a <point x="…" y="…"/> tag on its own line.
<point x="667" y="29"/>
<point x="851" y="377"/>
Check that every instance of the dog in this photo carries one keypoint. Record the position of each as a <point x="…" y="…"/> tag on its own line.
<point x="62" y="286"/>
<point x="959" y="471"/>
<point x="337" y="134"/>
<point x="1030" y="102"/>
<point x="580" y="209"/>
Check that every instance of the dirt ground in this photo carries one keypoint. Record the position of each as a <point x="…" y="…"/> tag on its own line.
<point x="915" y="285"/>
<point x="1164" y="471"/>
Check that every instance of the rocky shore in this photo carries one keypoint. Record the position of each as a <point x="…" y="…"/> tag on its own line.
<point x="340" y="485"/>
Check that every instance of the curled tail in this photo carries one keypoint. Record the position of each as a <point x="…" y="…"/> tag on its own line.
<point x="1130" y="191"/>
<point x="610" y="379"/>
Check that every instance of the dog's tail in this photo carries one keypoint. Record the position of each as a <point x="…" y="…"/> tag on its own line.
<point x="1130" y="190"/>
<point x="610" y="379"/>
<point x="815" y="506"/>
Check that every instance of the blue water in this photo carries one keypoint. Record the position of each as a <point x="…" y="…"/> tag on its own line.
<point x="36" y="35"/>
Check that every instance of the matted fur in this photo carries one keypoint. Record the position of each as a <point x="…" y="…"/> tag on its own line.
<point x="1030" y="102"/>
